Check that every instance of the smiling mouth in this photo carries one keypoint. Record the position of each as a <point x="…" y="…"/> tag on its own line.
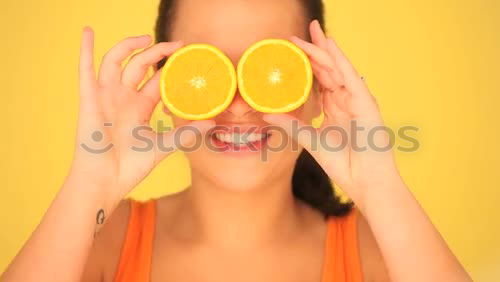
<point x="236" y="141"/>
<point x="240" y="138"/>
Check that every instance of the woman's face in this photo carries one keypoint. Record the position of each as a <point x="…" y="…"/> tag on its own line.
<point x="233" y="26"/>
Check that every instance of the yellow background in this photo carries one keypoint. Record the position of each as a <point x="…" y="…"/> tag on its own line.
<point x="433" y="64"/>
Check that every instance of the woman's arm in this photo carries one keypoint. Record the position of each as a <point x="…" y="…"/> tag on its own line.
<point x="106" y="167"/>
<point x="372" y="261"/>
<point x="412" y="248"/>
<point x="58" y="248"/>
<point x="105" y="253"/>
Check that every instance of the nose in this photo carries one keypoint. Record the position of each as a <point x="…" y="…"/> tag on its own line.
<point x="239" y="107"/>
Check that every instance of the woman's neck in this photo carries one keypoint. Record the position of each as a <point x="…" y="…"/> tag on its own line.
<point x="242" y="219"/>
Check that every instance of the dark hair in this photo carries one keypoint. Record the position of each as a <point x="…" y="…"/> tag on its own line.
<point x="310" y="182"/>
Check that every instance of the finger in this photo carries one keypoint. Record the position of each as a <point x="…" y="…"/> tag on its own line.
<point x="317" y="34"/>
<point x="111" y="66"/>
<point x="149" y="96"/>
<point x="321" y="57"/>
<point x="335" y="129"/>
<point x="339" y="56"/>
<point x="151" y="89"/>
<point x="138" y="65"/>
<point x="323" y="77"/>
<point x="86" y="67"/>
<point x="335" y="107"/>
<point x="353" y="80"/>
<point x="319" y="39"/>
<point x="304" y="134"/>
<point x="362" y="102"/>
<point x="316" y="53"/>
<point x="184" y="137"/>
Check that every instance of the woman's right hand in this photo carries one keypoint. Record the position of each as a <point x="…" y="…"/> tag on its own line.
<point x="114" y="117"/>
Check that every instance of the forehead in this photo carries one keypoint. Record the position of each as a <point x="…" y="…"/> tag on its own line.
<point x="233" y="25"/>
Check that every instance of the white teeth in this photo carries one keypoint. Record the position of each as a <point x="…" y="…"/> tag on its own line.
<point x="237" y="138"/>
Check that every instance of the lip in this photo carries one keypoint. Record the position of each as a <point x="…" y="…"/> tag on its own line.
<point x="239" y="150"/>
<point x="241" y="129"/>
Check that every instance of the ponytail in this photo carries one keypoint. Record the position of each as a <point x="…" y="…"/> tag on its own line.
<point x="311" y="184"/>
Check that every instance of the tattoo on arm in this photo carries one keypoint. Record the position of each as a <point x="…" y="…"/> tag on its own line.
<point x="100" y="217"/>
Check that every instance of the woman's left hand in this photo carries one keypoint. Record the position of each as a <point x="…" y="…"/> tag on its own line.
<point x="353" y="148"/>
<point x="365" y="167"/>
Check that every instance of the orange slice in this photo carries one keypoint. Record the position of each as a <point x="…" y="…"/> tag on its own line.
<point x="274" y="76"/>
<point x="198" y="82"/>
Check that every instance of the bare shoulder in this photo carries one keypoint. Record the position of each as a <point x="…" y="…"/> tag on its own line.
<point x="372" y="262"/>
<point x="106" y="249"/>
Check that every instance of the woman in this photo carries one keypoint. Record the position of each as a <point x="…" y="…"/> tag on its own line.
<point x="242" y="218"/>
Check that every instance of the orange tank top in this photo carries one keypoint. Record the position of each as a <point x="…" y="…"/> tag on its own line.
<point x="341" y="257"/>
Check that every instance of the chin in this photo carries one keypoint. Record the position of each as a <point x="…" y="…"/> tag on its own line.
<point x="240" y="181"/>
<point x="240" y="173"/>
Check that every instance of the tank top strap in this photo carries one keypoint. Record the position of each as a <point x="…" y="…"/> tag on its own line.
<point x="341" y="259"/>
<point x="136" y="254"/>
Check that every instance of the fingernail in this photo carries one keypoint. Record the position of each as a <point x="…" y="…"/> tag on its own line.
<point x="318" y="24"/>
<point x="144" y="36"/>
<point x="295" y="39"/>
<point x="206" y="124"/>
<point x="268" y="117"/>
